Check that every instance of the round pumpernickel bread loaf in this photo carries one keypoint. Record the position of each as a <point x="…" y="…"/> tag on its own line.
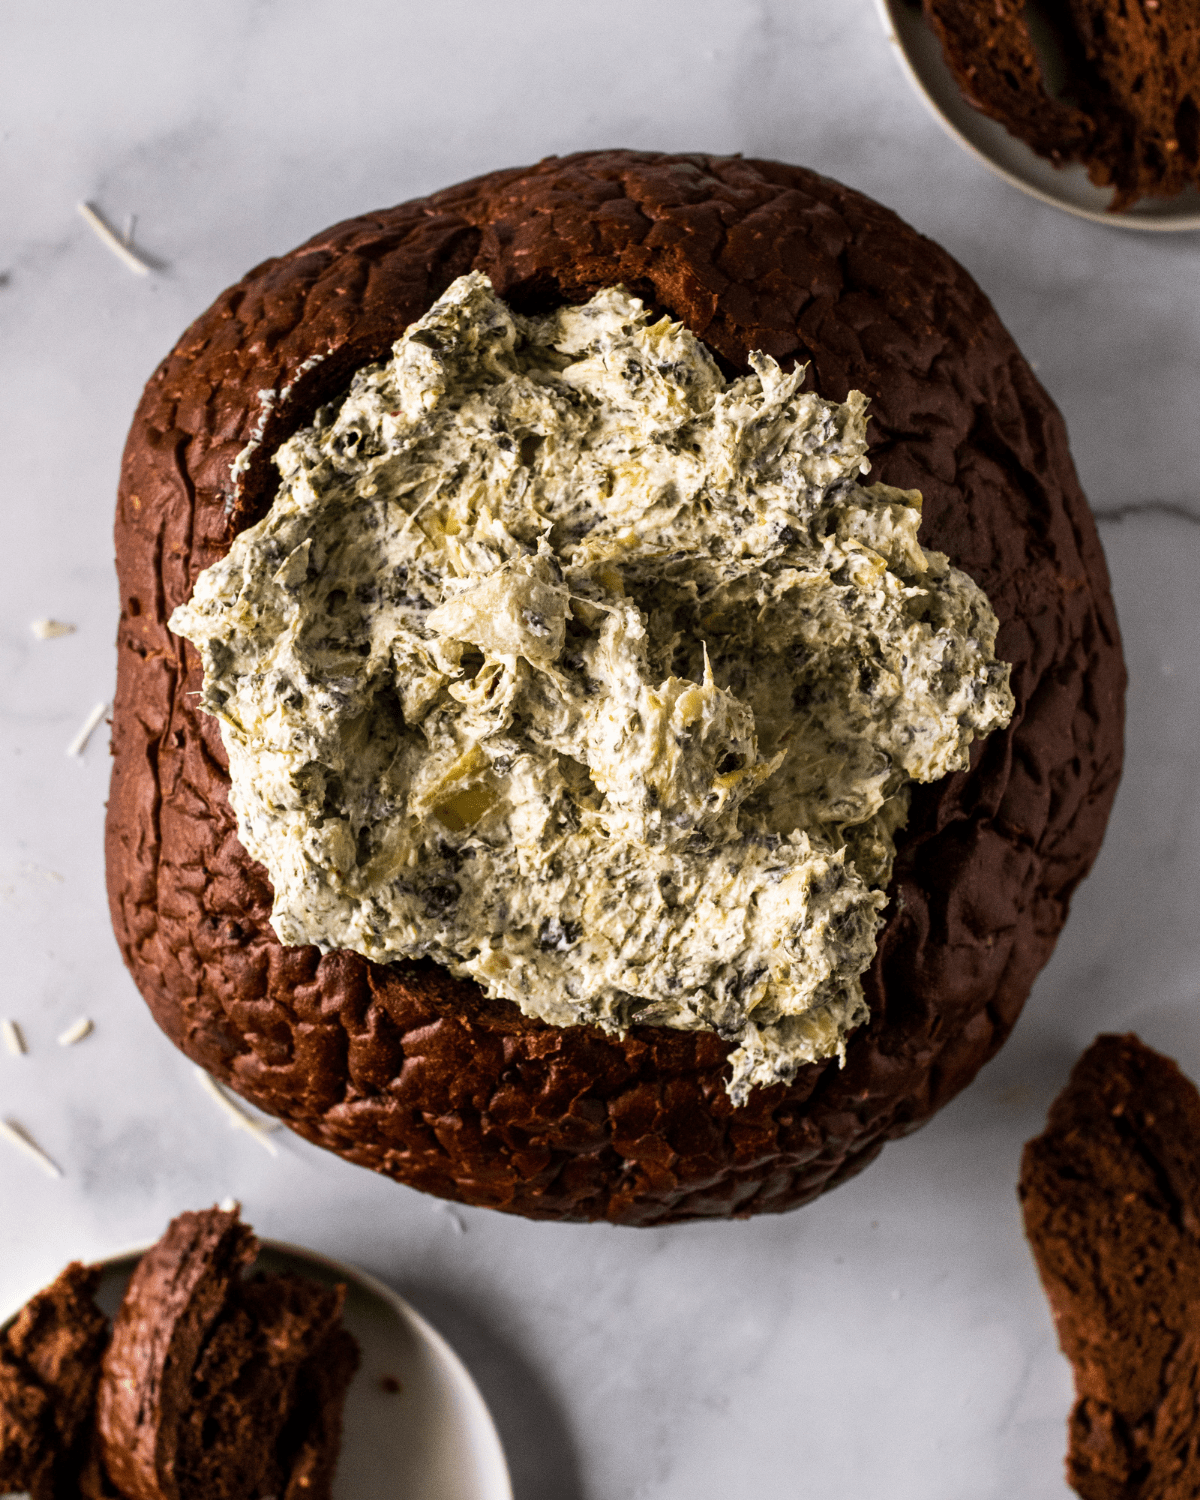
<point x="409" y="1071"/>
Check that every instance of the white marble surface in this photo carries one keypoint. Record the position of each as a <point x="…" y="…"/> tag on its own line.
<point x="888" y="1342"/>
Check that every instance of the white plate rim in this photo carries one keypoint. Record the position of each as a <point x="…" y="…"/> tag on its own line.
<point x="1146" y="219"/>
<point x="461" y="1377"/>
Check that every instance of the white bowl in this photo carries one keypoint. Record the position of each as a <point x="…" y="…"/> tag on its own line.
<point x="920" y="52"/>
<point x="434" y="1439"/>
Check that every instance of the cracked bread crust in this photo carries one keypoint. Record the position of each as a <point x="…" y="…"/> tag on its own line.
<point x="409" y="1071"/>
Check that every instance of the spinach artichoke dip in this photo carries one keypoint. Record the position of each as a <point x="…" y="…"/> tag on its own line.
<point x="597" y="679"/>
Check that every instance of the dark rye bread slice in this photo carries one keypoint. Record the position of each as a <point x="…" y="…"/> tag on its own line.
<point x="1132" y="85"/>
<point x="1142" y="72"/>
<point x="214" y="1387"/>
<point x="990" y="51"/>
<point x="247" y="1422"/>
<point x="49" y="1369"/>
<point x="175" y="1297"/>
<point x="1111" y="1197"/>
<point x="207" y="1390"/>
<point x="413" y="1073"/>
<point x="312" y="1437"/>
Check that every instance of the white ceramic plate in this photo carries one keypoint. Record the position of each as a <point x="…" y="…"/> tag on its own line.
<point x="1065" y="187"/>
<point x="434" y="1439"/>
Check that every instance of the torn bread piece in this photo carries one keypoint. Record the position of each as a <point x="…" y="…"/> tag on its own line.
<point x="214" y="1384"/>
<point x="1111" y="1197"/>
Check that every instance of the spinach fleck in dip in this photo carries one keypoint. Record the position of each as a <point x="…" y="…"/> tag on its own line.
<point x="597" y="679"/>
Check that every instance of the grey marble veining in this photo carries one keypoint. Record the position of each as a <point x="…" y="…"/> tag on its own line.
<point x="890" y="1342"/>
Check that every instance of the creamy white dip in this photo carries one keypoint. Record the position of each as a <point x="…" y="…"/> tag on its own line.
<point x="598" y="679"/>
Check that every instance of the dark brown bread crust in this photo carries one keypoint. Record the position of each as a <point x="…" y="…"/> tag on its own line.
<point x="410" y="1072"/>
<point x="1133" y="74"/>
<point x="49" y="1369"/>
<point x="1111" y="1196"/>
<point x="174" y="1299"/>
<point x="218" y="1388"/>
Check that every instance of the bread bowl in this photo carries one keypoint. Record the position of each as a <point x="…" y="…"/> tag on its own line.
<point x="403" y="1068"/>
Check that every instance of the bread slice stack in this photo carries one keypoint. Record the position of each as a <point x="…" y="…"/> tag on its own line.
<point x="1111" y="1196"/>
<point x="1128" y="105"/>
<point x="213" y="1385"/>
